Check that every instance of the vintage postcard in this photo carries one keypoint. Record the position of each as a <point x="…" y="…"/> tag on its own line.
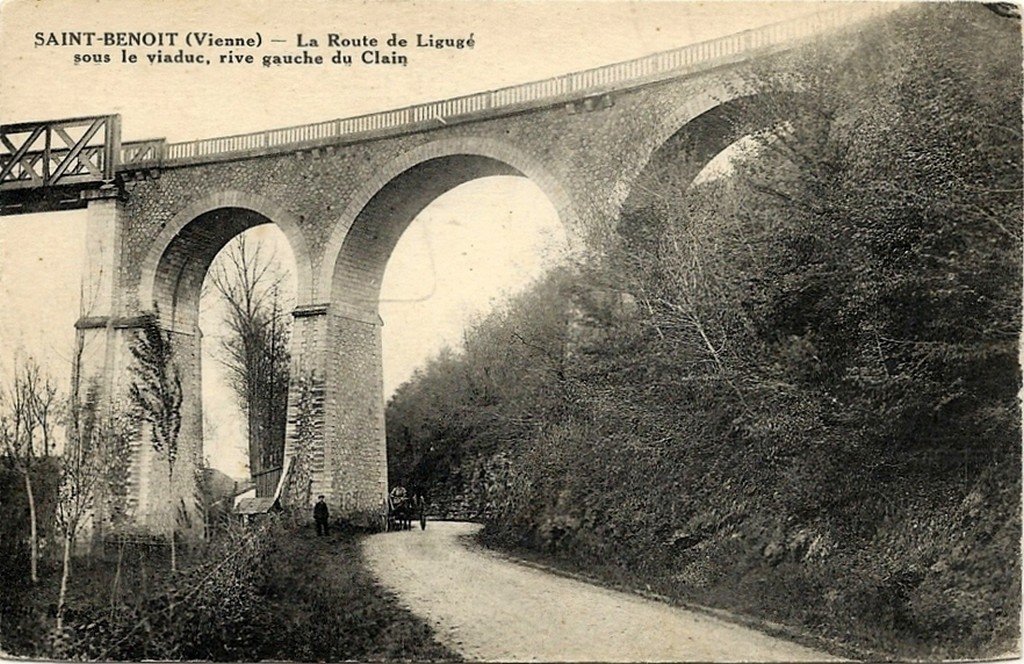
<point x="510" y="331"/>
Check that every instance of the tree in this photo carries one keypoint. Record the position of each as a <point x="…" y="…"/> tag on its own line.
<point x="46" y="409"/>
<point x="255" y="349"/>
<point x="822" y="368"/>
<point x="27" y="411"/>
<point x="156" y="392"/>
<point x="81" y="468"/>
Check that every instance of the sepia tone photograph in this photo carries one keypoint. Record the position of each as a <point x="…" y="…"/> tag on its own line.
<point x="517" y="330"/>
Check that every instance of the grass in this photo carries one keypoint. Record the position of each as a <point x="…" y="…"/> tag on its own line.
<point x="300" y="598"/>
<point x="331" y="607"/>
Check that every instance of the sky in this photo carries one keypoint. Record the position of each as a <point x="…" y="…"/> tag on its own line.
<point x="515" y="42"/>
<point x="459" y="257"/>
<point x="469" y="249"/>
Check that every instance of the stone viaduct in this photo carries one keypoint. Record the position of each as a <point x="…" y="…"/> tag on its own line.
<point x="343" y="192"/>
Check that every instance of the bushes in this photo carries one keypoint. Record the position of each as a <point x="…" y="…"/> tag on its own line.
<point x="806" y="407"/>
<point x="272" y="592"/>
<point x="210" y="611"/>
<point x="14" y="520"/>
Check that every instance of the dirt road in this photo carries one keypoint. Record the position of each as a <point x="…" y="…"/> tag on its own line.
<point x="488" y="608"/>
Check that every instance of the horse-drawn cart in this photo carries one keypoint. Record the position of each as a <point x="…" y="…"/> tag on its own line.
<point x="403" y="509"/>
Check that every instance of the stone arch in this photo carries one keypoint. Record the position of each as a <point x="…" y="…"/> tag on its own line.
<point x="172" y="277"/>
<point x="354" y="455"/>
<point x="179" y="257"/>
<point x="704" y="125"/>
<point x="356" y="253"/>
<point x="720" y="93"/>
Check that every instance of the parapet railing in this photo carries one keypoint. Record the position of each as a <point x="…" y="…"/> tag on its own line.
<point x="694" y="57"/>
<point x="83" y="150"/>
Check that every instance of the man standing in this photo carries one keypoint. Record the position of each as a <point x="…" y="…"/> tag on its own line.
<point x="421" y="505"/>
<point x="320" y="515"/>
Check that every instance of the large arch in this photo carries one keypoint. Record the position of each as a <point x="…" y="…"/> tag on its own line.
<point x="173" y="269"/>
<point x="354" y="456"/>
<point x="706" y="124"/>
<point x="171" y="281"/>
<point x="356" y="253"/>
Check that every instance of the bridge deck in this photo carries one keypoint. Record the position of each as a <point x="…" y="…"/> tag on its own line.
<point x="29" y="161"/>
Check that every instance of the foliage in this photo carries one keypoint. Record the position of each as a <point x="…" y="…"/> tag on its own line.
<point x="93" y="474"/>
<point x="314" y="578"/>
<point x="14" y="519"/>
<point x="806" y="406"/>
<point x="28" y="411"/>
<point x="208" y="611"/>
<point x="95" y="461"/>
<point x="157" y="396"/>
<point x="265" y="592"/>
<point x="156" y="390"/>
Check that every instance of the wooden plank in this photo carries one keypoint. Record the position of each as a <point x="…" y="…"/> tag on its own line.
<point x="73" y="155"/>
<point x="71" y="142"/>
<point x="85" y="159"/>
<point x="19" y="154"/>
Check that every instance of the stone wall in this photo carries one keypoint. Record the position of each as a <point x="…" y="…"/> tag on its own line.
<point x="343" y="208"/>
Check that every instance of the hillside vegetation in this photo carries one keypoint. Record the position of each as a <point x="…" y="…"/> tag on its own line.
<point x="790" y="392"/>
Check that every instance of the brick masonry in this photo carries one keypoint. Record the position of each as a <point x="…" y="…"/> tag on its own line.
<point x="343" y="208"/>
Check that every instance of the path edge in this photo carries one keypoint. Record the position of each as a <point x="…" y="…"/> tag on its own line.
<point x="771" y="628"/>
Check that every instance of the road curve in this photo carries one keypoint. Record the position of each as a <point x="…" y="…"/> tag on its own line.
<point x="491" y="609"/>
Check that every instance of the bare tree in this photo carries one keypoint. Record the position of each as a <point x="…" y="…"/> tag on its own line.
<point x="79" y="474"/>
<point x="255" y="349"/>
<point x="94" y="467"/>
<point x="28" y="406"/>
<point x="46" y="407"/>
